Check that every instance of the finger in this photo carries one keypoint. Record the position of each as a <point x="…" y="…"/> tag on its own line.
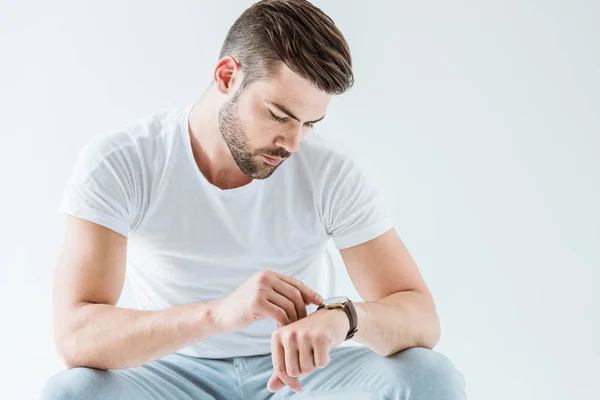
<point x="291" y="293"/>
<point x="306" y="357"/>
<point x="278" y="357"/>
<point x="275" y="383"/>
<point x="285" y="303"/>
<point x="277" y="313"/>
<point x="309" y="295"/>
<point x="292" y="361"/>
<point x="321" y="353"/>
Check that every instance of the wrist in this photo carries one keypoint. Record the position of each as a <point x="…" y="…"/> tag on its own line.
<point x="203" y="319"/>
<point x="211" y="316"/>
<point x="338" y="317"/>
<point x="344" y="304"/>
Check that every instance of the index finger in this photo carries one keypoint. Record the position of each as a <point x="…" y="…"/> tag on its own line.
<point x="309" y="295"/>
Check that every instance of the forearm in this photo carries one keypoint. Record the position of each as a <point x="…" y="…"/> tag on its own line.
<point x="397" y="322"/>
<point x="107" y="337"/>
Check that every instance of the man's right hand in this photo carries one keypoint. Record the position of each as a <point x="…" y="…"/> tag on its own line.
<point x="266" y="294"/>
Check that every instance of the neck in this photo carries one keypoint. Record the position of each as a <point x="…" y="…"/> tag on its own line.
<point x="211" y="153"/>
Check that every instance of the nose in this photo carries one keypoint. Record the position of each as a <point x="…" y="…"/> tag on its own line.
<point x="290" y="141"/>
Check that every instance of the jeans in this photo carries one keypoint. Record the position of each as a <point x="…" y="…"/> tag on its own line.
<point x="353" y="373"/>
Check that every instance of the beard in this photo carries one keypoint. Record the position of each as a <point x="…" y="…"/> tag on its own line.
<point x="238" y="142"/>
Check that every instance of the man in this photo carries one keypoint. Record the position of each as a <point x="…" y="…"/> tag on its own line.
<point x="219" y="211"/>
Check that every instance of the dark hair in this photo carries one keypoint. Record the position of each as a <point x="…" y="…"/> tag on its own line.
<point x="295" y="32"/>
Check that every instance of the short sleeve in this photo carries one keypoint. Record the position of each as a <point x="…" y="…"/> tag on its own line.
<point x="353" y="211"/>
<point x="102" y="186"/>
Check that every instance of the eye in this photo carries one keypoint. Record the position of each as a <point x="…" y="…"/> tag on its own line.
<point x="276" y="118"/>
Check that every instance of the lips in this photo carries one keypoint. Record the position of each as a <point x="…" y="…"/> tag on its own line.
<point x="273" y="160"/>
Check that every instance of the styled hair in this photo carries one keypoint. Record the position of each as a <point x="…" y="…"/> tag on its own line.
<point x="296" y="33"/>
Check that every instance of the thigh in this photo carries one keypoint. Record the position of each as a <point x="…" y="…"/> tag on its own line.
<point x="173" y="377"/>
<point x="357" y="373"/>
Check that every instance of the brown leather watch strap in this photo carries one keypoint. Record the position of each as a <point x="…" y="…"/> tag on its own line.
<point x="351" y="312"/>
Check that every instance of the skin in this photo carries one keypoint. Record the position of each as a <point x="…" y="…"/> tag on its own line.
<point x="230" y="132"/>
<point x="247" y="129"/>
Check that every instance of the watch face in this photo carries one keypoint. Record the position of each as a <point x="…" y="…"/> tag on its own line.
<point x="335" y="300"/>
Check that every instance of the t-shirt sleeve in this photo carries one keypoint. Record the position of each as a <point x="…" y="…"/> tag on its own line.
<point x="353" y="211"/>
<point x="103" y="186"/>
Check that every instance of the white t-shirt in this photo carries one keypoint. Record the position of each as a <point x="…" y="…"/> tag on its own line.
<point x="190" y="241"/>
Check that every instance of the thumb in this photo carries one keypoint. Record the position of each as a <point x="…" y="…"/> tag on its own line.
<point x="275" y="383"/>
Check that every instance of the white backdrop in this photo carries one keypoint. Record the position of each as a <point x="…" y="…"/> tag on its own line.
<point x="479" y="120"/>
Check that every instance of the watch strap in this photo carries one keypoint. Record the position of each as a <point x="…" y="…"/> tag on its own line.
<point x="350" y="311"/>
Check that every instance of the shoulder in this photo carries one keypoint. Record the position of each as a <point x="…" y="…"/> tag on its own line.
<point x="321" y="159"/>
<point x="127" y="148"/>
<point x="326" y="166"/>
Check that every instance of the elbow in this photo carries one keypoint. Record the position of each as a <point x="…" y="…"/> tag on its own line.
<point x="77" y="359"/>
<point x="432" y="333"/>
<point x="428" y="338"/>
<point x="385" y="351"/>
<point x="68" y="352"/>
<point x="66" y="342"/>
<point x="71" y="362"/>
<point x="73" y="345"/>
<point x="431" y="329"/>
<point x="72" y="353"/>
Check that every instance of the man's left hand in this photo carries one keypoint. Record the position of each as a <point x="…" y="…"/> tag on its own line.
<point x="299" y="348"/>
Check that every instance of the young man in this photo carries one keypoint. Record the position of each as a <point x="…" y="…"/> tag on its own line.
<point x="219" y="211"/>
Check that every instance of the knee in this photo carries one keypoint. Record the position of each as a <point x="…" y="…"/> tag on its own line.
<point x="429" y="375"/>
<point x="76" y="383"/>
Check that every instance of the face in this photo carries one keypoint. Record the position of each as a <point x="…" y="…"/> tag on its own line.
<point x="265" y="123"/>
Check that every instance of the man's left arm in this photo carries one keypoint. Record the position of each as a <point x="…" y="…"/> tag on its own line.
<point x="399" y="310"/>
<point x="398" y="313"/>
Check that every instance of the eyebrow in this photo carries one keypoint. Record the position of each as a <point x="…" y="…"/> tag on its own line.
<point x="290" y="114"/>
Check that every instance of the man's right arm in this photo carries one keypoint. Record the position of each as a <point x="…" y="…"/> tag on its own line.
<point x="89" y="330"/>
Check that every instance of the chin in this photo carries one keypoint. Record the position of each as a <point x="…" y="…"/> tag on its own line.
<point x="263" y="174"/>
<point x="263" y="171"/>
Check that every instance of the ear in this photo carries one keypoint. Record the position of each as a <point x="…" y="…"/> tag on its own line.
<point x="226" y="73"/>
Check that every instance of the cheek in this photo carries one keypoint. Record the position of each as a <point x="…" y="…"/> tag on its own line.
<point x="259" y="128"/>
<point x="260" y="134"/>
<point x="252" y="119"/>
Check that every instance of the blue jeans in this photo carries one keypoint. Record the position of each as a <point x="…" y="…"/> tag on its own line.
<point x="354" y="373"/>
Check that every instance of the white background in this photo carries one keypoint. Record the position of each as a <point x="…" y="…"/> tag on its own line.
<point x="479" y="121"/>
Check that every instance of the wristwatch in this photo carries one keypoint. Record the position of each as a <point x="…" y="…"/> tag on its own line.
<point x="346" y="304"/>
